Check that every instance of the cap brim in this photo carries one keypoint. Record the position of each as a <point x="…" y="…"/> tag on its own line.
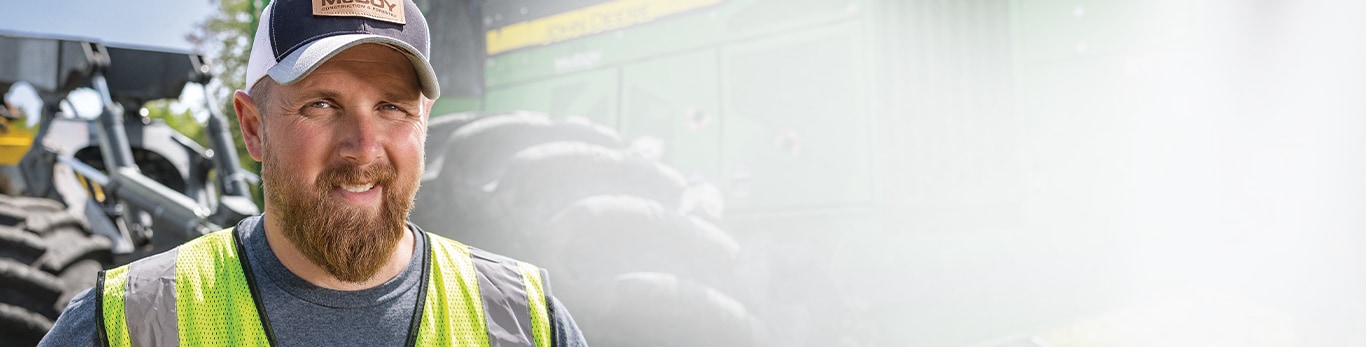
<point x="307" y="58"/>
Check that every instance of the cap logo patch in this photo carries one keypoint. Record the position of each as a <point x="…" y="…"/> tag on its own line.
<point x="385" y="10"/>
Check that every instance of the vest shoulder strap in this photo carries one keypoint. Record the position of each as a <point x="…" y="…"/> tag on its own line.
<point x="452" y="314"/>
<point x="509" y="296"/>
<point x="195" y="294"/>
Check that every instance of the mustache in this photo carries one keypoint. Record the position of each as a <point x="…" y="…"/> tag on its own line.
<point x="382" y="173"/>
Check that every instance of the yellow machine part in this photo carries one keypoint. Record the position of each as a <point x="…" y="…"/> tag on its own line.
<point x="14" y="142"/>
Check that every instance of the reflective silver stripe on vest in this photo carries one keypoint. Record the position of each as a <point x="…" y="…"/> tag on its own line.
<point x="504" y="297"/>
<point x="149" y="301"/>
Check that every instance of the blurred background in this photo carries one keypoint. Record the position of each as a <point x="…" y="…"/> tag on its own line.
<point x="889" y="172"/>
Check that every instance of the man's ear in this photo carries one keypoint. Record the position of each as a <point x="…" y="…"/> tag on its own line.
<point x="249" y="120"/>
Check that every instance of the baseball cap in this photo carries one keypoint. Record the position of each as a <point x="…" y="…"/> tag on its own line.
<point x="294" y="37"/>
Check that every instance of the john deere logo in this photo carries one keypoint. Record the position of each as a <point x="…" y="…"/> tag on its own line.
<point x="385" y="10"/>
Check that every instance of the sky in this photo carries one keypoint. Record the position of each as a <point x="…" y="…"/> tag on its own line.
<point x="152" y="23"/>
<point x="158" y="23"/>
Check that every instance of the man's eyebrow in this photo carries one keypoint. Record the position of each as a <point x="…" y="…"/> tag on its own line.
<point x="402" y="98"/>
<point x="317" y="94"/>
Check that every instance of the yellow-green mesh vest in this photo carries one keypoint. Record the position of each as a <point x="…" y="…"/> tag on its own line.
<point x="199" y="295"/>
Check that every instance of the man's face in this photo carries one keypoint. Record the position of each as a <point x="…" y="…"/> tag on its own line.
<point x="341" y="154"/>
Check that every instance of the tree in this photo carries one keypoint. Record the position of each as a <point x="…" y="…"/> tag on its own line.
<point x="183" y="121"/>
<point x="226" y="36"/>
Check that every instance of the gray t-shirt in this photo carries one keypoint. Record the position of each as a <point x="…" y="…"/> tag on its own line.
<point x="302" y="314"/>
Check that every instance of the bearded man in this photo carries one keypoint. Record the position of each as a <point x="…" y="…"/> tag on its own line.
<point x="337" y="113"/>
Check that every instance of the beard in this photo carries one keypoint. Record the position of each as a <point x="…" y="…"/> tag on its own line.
<point x="351" y="243"/>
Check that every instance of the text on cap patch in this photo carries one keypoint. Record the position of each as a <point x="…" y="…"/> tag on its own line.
<point x="385" y="10"/>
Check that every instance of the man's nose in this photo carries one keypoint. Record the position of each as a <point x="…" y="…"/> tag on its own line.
<point x="360" y="142"/>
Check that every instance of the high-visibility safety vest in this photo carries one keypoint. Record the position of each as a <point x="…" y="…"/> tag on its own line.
<point x="203" y="294"/>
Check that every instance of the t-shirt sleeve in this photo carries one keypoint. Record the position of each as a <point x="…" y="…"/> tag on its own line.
<point x="567" y="332"/>
<point x="76" y="325"/>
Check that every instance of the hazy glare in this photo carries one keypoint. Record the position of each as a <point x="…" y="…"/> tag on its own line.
<point x="1142" y="173"/>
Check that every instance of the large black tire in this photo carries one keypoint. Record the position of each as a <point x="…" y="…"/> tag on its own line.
<point x="47" y="256"/>
<point x="629" y="247"/>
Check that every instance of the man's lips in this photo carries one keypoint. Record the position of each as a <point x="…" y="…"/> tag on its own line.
<point x="359" y="193"/>
<point x="358" y="187"/>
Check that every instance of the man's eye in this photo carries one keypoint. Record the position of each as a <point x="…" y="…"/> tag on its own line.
<point x="320" y="104"/>
<point x="389" y="107"/>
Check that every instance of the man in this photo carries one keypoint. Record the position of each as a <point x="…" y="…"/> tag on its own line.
<point x="336" y="111"/>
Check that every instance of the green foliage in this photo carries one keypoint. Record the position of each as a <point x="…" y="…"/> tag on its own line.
<point x="226" y="35"/>
<point x="183" y="122"/>
<point x="20" y="121"/>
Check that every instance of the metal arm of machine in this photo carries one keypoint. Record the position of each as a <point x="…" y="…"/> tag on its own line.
<point x="235" y="202"/>
<point x="165" y="204"/>
<point x="146" y="194"/>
